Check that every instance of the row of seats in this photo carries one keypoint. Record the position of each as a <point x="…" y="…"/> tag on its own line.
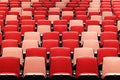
<point x="38" y="3"/>
<point x="60" y="68"/>
<point x="63" y="15"/>
<point x="52" y="16"/>
<point x="45" y="26"/>
<point x="60" y="52"/>
<point x="65" y="35"/>
<point x="52" y="39"/>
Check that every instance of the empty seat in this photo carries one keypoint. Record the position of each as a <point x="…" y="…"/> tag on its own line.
<point x="34" y="68"/>
<point x="110" y="68"/>
<point x="39" y="17"/>
<point x="67" y="13"/>
<point x="41" y="11"/>
<point x="26" y="4"/>
<point x="70" y="35"/>
<point x="110" y="28"/>
<point x="29" y="36"/>
<point x="51" y="36"/>
<point x="60" y="68"/>
<point x="78" y="29"/>
<point x="10" y="28"/>
<point x="91" y="22"/>
<point x="40" y="52"/>
<point x="94" y="28"/>
<point x="13" y="13"/>
<point x="89" y="36"/>
<point x="33" y="1"/>
<point x="28" y="11"/>
<point x="112" y="44"/>
<point x="60" y="28"/>
<point x="54" y="13"/>
<point x="54" y="9"/>
<point x="9" y="68"/>
<point x="97" y="18"/>
<point x="17" y="9"/>
<point x="80" y="13"/>
<point x="12" y="22"/>
<point x="48" y="4"/>
<point x="59" y="51"/>
<point x="13" y="35"/>
<point x="91" y="44"/>
<point x="44" y="22"/>
<point x="9" y="43"/>
<point x="86" y="68"/>
<point x="27" y="28"/>
<point x="92" y="9"/>
<point x="107" y="22"/>
<point x="81" y="17"/>
<point x="94" y="14"/>
<point x="75" y="23"/>
<point x="28" y="22"/>
<point x="67" y="17"/>
<point x="25" y="17"/>
<point x="52" y="18"/>
<point x="60" y="22"/>
<point x="106" y="13"/>
<point x="108" y="36"/>
<point x="43" y="28"/>
<point x="11" y="17"/>
<point x="60" y="4"/>
<point x="105" y="52"/>
<point x="29" y="44"/>
<point x="13" y="52"/>
<point x="114" y="18"/>
<point x="82" y="52"/>
<point x="70" y="44"/>
<point x="4" y="3"/>
<point x="49" y="44"/>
